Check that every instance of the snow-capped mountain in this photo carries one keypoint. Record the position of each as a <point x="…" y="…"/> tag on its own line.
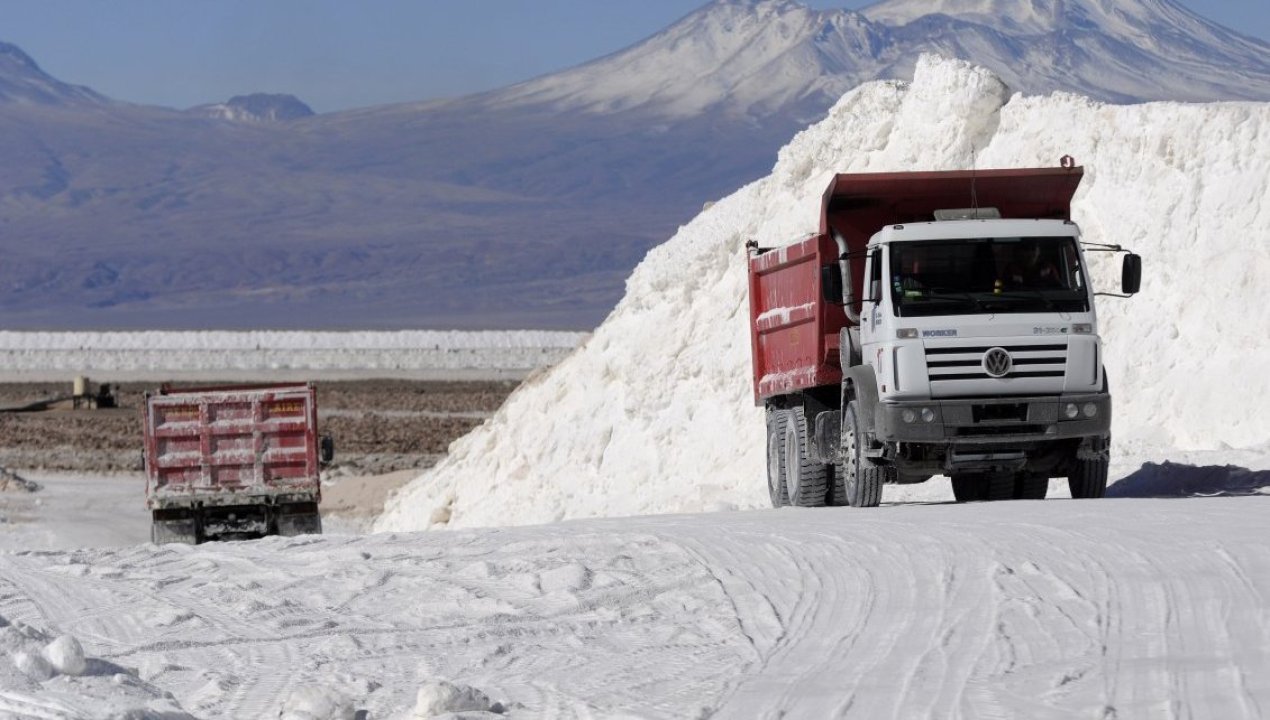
<point x="522" y="207"/>
<point x="23" y="82"/>
<point x="755" y="57"/>
<point x="256" y="108"/>
<point x="1114" y="50"/>
<point x="762" y="57"/>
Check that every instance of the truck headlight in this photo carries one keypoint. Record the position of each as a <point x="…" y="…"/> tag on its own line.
<point x="906" y="333"/>
<point x="928" y="415"/>
<point x="1082" y="328"/>
<point x="1071" y="411"/>
<point x="1090" y="410"/>
<point x="908" y="416"/>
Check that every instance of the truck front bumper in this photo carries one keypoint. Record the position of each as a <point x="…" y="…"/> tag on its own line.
<point x="979" y="421"/>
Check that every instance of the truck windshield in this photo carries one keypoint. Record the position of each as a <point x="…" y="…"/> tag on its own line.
<point x="987" y="275"/>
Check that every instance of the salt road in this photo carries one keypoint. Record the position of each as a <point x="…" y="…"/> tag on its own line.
<point x="1057" y="609"/>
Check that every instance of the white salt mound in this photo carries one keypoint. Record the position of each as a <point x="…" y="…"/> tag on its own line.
<point x="655" y="414"/>
<point x="66" y="656"/>
<point x="33" y="665"/>
<point x="262" y="350"/>
<point x="316" y="703"/>
<point x="438" y="697"/>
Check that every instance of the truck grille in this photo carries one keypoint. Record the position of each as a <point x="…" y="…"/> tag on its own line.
<point x="965" y="362"/>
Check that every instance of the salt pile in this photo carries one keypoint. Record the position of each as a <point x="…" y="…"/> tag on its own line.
<point x="47" y="355"/>
<point x="654" y="413"/>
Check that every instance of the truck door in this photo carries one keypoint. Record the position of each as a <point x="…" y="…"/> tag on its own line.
<point x="872" y="313"/>
<point x="873" y="319"/>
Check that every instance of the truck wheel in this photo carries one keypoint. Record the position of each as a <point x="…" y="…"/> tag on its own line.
<point x="858" y="482"/>
<point x="776" y="420"/>
<point x="977" y="488"/>
<point x="1088" y="478"/>
<point x="969" y="488"/>
<point x="806" y="479"/>
<point x="1030" y="487"/>
<point x="1000" y="486"/>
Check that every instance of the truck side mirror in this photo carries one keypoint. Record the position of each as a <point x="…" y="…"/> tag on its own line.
<point x="1131" y="274"/>
<point x="831" y="284"/>
<point x="326" y="450"/>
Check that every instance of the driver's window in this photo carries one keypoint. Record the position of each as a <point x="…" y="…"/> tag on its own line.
<point x="875" y="275"/>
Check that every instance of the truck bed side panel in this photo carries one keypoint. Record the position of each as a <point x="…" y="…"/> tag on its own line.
<point x="794" y="331"/>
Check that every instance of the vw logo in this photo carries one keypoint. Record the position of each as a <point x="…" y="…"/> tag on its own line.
<point x="997" y="362"/>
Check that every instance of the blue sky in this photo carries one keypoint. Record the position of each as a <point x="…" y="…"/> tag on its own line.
<point x="337" y="54"/>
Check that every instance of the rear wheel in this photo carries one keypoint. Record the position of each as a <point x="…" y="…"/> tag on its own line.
<point x="1088" y="478"/>
<point x="806" y="478"/>
<point x="776" y="420"/>
<point x="859" y="482"/>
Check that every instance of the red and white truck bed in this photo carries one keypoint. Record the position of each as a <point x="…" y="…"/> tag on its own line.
<point x="232" y="461"/>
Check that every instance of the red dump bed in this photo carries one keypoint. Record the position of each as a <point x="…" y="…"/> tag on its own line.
<point x="231" y="445"/>
<point x="794" y="331"/>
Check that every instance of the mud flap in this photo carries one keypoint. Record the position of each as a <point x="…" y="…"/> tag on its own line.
<point x="299" y="519"/>
<point x="824" y="440"/>
<point x="170" y="526"/>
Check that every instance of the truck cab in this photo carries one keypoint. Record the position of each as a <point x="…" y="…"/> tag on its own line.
<point x="983" y="339"/>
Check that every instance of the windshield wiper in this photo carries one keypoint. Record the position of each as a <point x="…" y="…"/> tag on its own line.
<point x="1030" y="295"/>
<point x="946" y="294"/>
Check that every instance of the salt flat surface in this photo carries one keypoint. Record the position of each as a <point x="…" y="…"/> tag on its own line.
<point x="1058" y="609"/>
<point x="73" y="511"/>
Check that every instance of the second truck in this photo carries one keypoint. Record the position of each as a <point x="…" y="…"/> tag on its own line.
<point x="233" y="462"/>
<point x="939" y="323"/>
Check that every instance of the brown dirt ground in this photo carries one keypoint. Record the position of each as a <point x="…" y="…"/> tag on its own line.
<point x="379" y="426"/>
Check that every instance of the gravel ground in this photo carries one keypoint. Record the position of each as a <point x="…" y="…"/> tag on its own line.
<point x="379" y="426"/>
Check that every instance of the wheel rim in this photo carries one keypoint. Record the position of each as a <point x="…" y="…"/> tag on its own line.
<point x="851" y="459"/>
<point x="792" y="463"/>
<point x="774" y="468"/>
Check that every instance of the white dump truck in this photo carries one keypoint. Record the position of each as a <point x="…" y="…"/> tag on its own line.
<point x="939" y="323"/>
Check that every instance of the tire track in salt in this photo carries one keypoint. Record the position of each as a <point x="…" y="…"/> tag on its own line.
<point x="1037" y="608"/>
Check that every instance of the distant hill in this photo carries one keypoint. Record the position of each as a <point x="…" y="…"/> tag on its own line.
<point x="256" y="108"/>
<point x="22" y="82"/>
<point x="523" y="207"/>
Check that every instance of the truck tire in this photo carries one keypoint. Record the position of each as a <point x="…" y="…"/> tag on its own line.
<point x="858" y="482"/>
<point x="1030" y="487"/>
<point x="981" y="487"/>
<point x="969" y="488"/>
<point x="776" y="420"/>
<point x="806" y="478"/>
<point x="1088" y="478"/>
